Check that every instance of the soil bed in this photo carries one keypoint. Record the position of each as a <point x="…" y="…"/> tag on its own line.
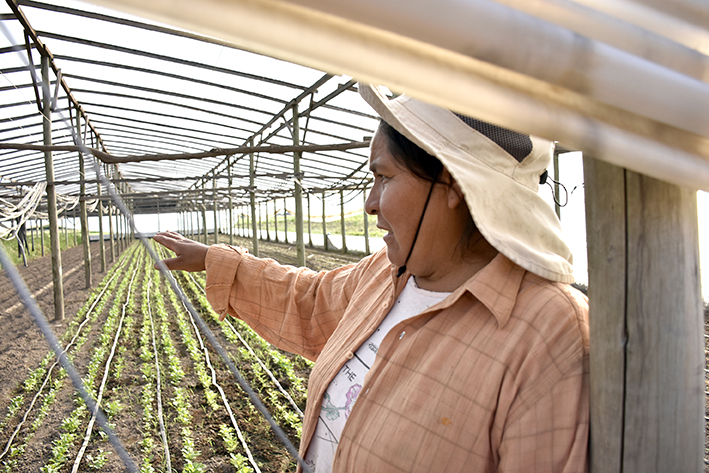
<point x="22" y="348"/>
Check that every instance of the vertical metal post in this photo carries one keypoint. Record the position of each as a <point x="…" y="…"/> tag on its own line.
<point x="299" y="240"/>
<point x="342" y="220"/>
<point x="83" y="215"/>
<point x="51" y="194"/>
<point x="366" y="221"/>
<point x="326" y="243"/>
<point x="252" y="196"/>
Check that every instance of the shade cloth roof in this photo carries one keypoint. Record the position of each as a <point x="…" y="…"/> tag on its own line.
<point x="150" y="89"/>
<point x="624" y="81"/>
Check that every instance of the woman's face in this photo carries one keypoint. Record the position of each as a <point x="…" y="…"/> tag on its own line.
<point x="397" y="199"/>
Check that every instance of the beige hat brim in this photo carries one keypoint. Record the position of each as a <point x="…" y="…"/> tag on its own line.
<point x="501" y="192"/>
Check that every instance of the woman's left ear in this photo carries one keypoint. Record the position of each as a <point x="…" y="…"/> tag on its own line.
<point x="455" y="194"/>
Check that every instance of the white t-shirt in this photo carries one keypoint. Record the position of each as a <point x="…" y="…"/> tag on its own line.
<point x="342" y="393"/>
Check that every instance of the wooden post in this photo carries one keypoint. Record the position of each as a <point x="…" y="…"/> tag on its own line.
<point x="204" y="211"/>
<point x="74" y="217"/>
<point x="84" y="218"/>
<point x="342" y="220"/>
<point x="252" y="197"/>
<point x="51" y="195"/>
<point x="285" y="221"/>
<point x="298" y="194"/>
<point x="41" y="234"/>
<point x="326" y="244"/>
<point x="66" y="230"/>
<point x="116" y="215"/>
<point x="268" y="233"/>
<point x="231" y="208"/>
<point x="214" y="208"/>
<point x="310" y="230"/>
<point x="102" y="244"/>
<point x="111" y="242"/>
<point x="366" y="222"/>
<point x="275" y="220"/>
<point x="647" y="358"/>
<point x="557" y="207"/>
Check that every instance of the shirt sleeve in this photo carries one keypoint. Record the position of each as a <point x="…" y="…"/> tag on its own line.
<point x="547" y="428"/>
<point x="295" y="309"/>
<point x="551" y="436"/>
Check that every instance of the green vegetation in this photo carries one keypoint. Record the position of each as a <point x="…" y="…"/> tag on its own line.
<point x="354" y="225"/>
<point x="11" y="245"/>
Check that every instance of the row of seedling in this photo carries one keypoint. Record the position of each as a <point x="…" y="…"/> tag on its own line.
<point x="37" y="394"/>
<point x="266" y="364"/>
<point x="78" y="426"/>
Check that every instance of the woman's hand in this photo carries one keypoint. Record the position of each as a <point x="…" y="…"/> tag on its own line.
<point x="189" y="254"/>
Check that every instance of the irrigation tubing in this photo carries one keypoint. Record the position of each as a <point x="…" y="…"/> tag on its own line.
<point x="270" y="374"/>
<point x="102" y="387"/>
<point x="51" y="368"/>
<point x="161" y="418"/>
<point x="39" y="318"/>
<point x="41" y="321"/>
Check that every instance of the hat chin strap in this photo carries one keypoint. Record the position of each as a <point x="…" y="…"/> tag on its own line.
<point x="402" y="269"/>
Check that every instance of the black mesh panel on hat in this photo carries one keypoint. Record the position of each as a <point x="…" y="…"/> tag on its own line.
<point x="516" y="144"/>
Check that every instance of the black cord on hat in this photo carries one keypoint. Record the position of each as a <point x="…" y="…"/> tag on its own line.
<point x="402" y="269"/>
<point x="544" y="179"/>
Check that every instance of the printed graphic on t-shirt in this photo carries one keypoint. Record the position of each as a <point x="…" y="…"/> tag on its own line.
<point x="340" y="397"/>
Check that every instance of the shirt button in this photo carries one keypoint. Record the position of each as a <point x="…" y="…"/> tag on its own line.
<point x="386" y="305"/>
<point x="401" y="335"/>
<point x="349" y="355"/>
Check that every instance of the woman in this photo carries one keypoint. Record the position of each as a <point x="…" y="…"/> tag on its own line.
<point x="461" y="347"/>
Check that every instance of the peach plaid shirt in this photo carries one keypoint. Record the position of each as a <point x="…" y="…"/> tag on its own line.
<point x="493" y="378"/>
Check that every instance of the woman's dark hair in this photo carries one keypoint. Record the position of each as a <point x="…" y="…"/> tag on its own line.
<point x="413" y="158"/>
<point x="410" y="155"/>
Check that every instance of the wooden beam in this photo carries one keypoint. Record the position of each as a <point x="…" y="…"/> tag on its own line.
<point x="647" y="358"/>
<point x="111" y="159"/>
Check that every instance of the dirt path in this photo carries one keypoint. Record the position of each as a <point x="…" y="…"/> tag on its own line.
<point x="22" y="345"/>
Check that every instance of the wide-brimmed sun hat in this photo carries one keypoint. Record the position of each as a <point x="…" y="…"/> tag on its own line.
<point x="498" y="171"/>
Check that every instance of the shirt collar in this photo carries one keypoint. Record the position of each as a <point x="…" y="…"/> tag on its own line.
<point x="497" y="286"/>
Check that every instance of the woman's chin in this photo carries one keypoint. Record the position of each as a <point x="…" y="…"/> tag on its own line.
<point x="394" y="255"/>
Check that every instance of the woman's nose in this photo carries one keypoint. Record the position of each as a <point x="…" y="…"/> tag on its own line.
<point x="371" y="205"/>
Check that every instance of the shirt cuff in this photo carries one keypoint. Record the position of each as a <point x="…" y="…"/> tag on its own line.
<point x="221" y="264"/>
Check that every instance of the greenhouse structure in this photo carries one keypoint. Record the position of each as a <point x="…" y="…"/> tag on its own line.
<point x="242" y="118"/>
